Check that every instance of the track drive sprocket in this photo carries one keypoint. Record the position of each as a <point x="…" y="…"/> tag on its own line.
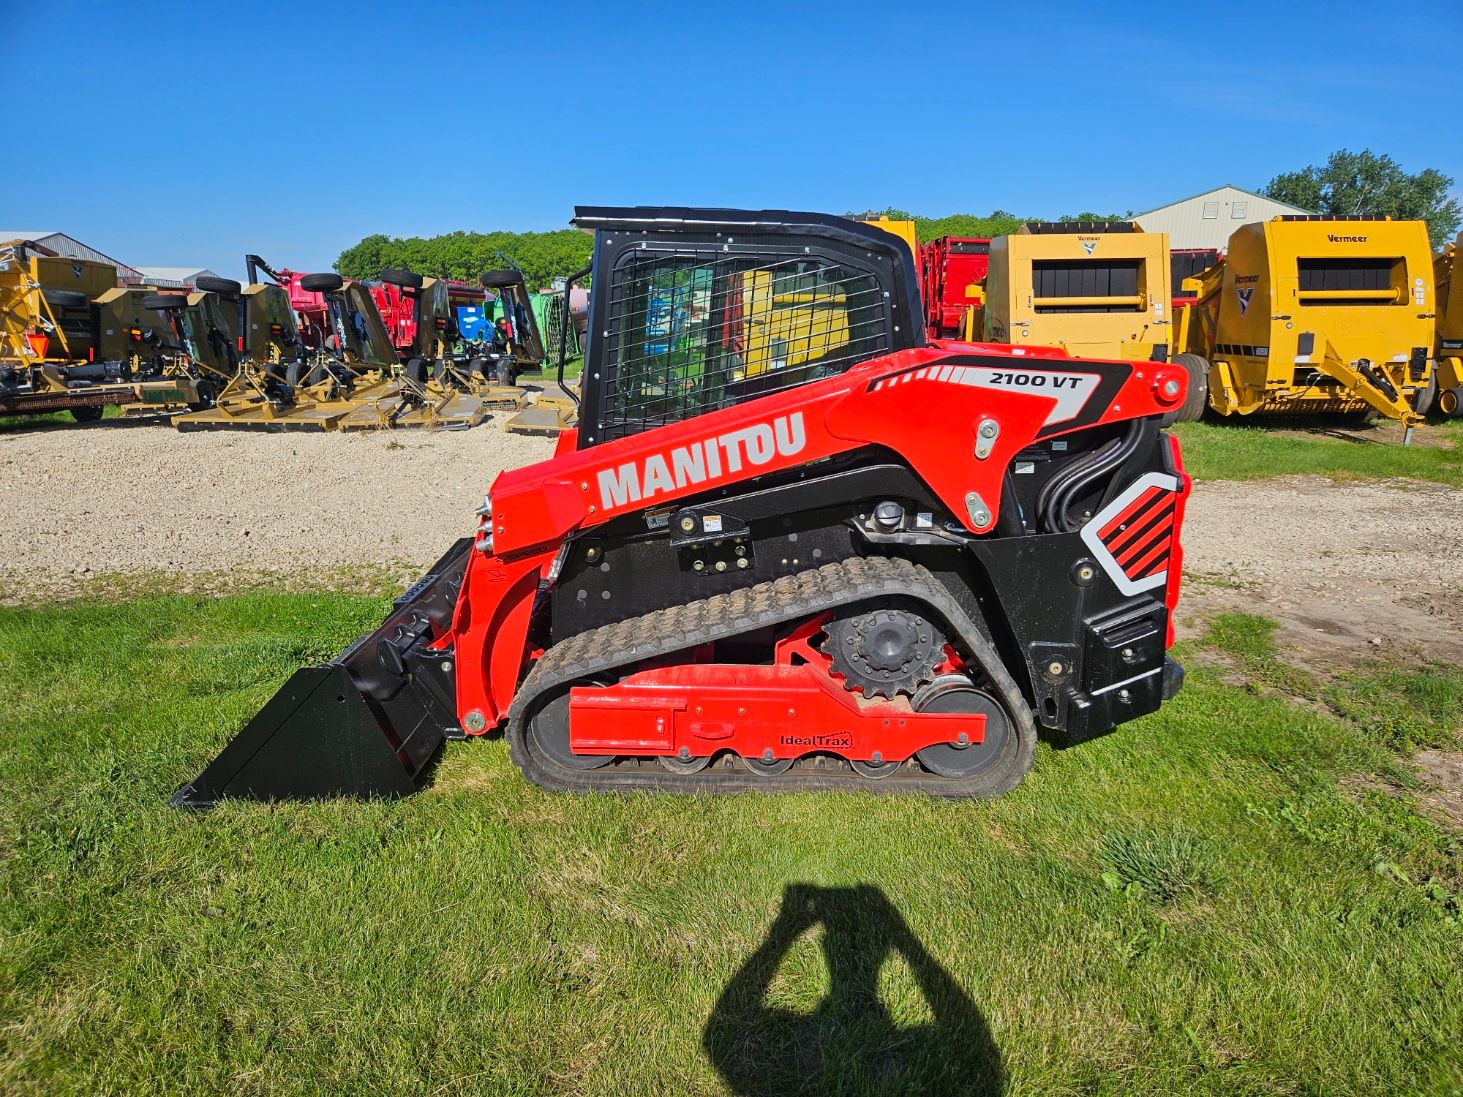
<point x="884" y="651"/>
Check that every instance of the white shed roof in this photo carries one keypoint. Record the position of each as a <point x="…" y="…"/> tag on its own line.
<point x="173" y="276"/>
<point x="1206" y="220"/>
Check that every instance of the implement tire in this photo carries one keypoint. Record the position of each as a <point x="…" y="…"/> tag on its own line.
<point x="1424" y="398"/>
<point x="226" y="286"/>
<point x="1197" y="399"/>
<point x="402" y="279"/>
<point x="498" y="279"/>
<point x="164" y="302"/>
<point x="87" y="415"/>
<point x="325" y="282"/>
<point x="1450" y="403"/>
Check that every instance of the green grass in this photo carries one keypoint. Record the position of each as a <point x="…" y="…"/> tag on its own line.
<point x="1220" y="898"/>
<point x="1231" y="451"/>
<point x="51" y="418"/>
<point x="573" y="367"/>
<point x="1167" y="865"/>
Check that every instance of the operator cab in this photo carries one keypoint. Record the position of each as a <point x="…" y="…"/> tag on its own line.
<point x="697" y="310"/>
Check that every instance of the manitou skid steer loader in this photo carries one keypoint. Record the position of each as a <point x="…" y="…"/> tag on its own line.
<point x="886" y="568"/>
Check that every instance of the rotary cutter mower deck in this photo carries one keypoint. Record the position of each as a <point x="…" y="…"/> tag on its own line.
<point x="437" y="357"/>
<point x="274" y="381"/>
<point x="889" y="566"/>
<point x="348" y="380"/>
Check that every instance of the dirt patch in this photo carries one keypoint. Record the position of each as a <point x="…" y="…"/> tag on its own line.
<point x="1441" y="773"/>
<point x="1379" y="432"/>
<point x="1349" y="570"/>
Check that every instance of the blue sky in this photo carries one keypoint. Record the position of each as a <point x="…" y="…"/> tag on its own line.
<point x="175" y="134"/>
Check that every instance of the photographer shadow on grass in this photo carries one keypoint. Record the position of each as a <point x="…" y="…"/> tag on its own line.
<point x="850" y="1043"/>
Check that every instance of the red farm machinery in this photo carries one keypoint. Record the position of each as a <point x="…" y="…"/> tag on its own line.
<point x="430" y="317"/>
<point x="952" y="278"/>
<point x="889" y="564"/>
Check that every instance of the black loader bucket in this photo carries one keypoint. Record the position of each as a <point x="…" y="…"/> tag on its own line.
<point x="366" y="724"/>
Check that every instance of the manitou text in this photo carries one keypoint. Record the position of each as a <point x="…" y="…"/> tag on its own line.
<point x="699" y="462"/>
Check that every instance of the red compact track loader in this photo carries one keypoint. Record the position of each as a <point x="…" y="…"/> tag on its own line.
<point x="879" y="563"/>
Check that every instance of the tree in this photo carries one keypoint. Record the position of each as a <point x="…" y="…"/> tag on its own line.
<point x="543" y="256"/>
<point x="1090" y="216"/>
<point x="1352" y="183"/>
<point x="999" y="223"/>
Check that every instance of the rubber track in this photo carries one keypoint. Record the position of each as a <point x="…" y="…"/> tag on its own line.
<point x="614" y="648"/>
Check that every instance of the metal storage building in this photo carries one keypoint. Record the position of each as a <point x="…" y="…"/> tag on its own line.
<point x="72" y="248"/>
<point x="67" y="246"/>
<point x="173" y="277"/>
<point x="1206" y="220"/>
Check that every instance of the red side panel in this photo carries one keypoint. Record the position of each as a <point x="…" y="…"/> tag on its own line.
<point x="1176" y="551"/>
<point x="926" y="404"/>
<point x="703" y="708"/>
<point x="491" y="633"/>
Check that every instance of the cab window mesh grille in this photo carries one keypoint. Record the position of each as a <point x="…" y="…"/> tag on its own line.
<point x="688" y="333"/>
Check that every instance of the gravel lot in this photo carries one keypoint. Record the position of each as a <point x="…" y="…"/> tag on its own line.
<point x="124" y="506"/>
<point x="136" y="499"/>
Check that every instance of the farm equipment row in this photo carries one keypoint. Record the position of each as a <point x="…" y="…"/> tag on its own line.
<point x="1303" y="315"/>
<point x="287" y="351"/>
<point x="75" y="341"/>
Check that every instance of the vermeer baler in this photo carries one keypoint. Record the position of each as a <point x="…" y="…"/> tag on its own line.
<point x="1312" y="314"/>
<point x="1448" y="384"/>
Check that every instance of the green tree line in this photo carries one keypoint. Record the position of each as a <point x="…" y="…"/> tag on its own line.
<point x="1348" y="183"/>
<point x="997" y="223"/>
<point x="543" y="256"/>
<point x="1363" y="183"/>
